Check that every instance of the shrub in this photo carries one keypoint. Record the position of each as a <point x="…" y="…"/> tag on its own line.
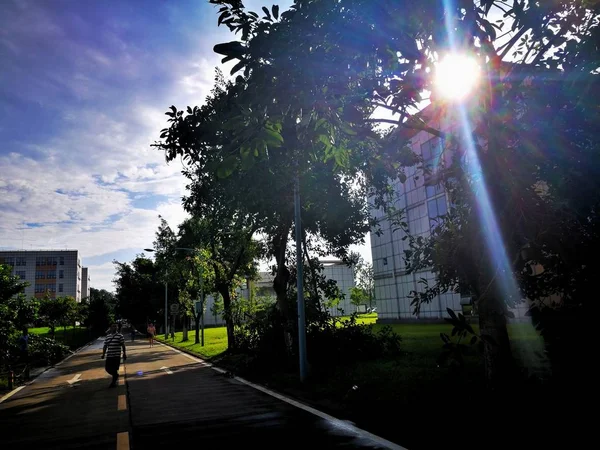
<point x="341" y="342"/>
<point x="43" y="350"/>
<point x="330" y="342"/>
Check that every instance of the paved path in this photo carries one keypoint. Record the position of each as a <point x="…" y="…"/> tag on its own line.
<point x="59" y="410"/>
<point x="170" y="400"/>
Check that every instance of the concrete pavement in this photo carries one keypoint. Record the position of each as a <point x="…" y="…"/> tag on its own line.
<point x="178" y="400"/>
<point x="170" y="399"/>
<point x="67" y="407"/>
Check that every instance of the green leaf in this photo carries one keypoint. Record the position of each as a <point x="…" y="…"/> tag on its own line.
<point x="233" y="48"/>
<point x="239" y="66"/>
<point x="451" y="313"/>
<point x="267" y="13"/>
<point x="272" y="138"/>
<point x="275" y="10"/>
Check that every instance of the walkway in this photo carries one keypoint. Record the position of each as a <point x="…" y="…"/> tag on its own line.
<point x="170" y="399"/>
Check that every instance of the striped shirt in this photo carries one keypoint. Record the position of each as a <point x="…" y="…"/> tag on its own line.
<point x="113" y="344"/>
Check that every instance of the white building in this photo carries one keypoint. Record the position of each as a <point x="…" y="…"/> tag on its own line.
<point x="343" y="275"/>
<point x="423" y="201"/>
<point x="57" y="273"/>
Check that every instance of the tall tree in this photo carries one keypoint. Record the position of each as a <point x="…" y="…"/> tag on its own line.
<point x="378" y="56"/>
<point x="16" y="311"/>
<point x="139" y="291"/>
<point x="100" y="310"/>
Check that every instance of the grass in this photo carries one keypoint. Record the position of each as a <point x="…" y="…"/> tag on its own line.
<point x="215" y="342"/>
<point x="73" y="337"/>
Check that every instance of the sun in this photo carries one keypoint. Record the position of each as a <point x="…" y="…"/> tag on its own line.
<point x="456" y="75"/>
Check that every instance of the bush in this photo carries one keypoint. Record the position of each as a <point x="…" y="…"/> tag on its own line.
<point x="43" y="350"/>
<point x="342" y="342"/>
<point x="330" y="342"/>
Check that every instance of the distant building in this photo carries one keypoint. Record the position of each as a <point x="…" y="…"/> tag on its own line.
<point x="55" y="272"/>
<point x="85" y="283"/>
<point x="333" y="269"/>
<point x="343" y="275"/>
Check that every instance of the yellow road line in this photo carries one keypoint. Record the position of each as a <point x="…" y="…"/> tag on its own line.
<point x="121" y="381"/>
<point x="122" y="403"/>
<point x="123" y="441"/>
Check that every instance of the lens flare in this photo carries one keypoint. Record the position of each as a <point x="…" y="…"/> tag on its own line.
<point x="456" y="75"/>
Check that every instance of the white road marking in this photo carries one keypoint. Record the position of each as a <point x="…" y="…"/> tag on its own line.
<point x="75" y="379"/>
<point x="11" y="393"/>
<point x="166" y="369"/>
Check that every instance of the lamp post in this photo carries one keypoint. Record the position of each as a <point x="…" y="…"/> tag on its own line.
<point x="299" y="284"/>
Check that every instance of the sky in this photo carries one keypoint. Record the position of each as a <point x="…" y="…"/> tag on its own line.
<point x="84" y="86"/>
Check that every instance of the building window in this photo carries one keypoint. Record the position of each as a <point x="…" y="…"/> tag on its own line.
<point x="40" y="288"/>
<point x="416" y="215"/>
<point x="52" y="261"/>
<point x="9" y="261"/>
<point x="21" y="261"/>
<point x="40" y="275"/>
<point x="61" y="260"/>
<point x="436" y="208"/>
<point x="51" y="275"/>
<point x="51" y="288"/>
<point x="21" y="274"/>
<point x="60" y="287"/>
<point x="61" y="273"/>
<point x="385" y="261"/>
<point x="431" y="152"/>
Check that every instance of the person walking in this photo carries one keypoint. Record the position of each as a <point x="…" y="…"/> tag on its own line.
<point x="113" y="344"/>
<point x="133" y="331"/>
<point x="151" y="333"/>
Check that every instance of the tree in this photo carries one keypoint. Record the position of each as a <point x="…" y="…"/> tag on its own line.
<point x="364" y="279"/>
<point x="253" y="193"/>
<point x="139" y="291"/>
<point x="57" y="311"/>
<point x="16" y="311"/>
<point x="386" y="58"/>
<point x="358" y="297"/>
<point x="100" y="310"/>
<point x="229" y="255"/>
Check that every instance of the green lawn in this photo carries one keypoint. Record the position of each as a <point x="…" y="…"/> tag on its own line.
<point x="215" y="342"/>
<point x="74" y="337"/>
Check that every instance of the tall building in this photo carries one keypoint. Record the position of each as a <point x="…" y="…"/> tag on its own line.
<point x="85" y="283"/>
<point x="423" y="201"/>
<point x="55" y="272"/>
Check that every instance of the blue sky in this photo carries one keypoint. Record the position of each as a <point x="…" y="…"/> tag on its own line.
<point x="83" y="90"/>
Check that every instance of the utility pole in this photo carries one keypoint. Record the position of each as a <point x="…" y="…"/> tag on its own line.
<point x="299" y="285"/>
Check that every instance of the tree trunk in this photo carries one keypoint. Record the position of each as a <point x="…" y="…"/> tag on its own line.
<point x="224" y="291"/>
<point x="184" y="324"/>
<point x="197" y="340"/>
<point x="497" y="354"/>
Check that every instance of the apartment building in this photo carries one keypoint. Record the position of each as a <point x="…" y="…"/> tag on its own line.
<point x="57" y="273"/>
